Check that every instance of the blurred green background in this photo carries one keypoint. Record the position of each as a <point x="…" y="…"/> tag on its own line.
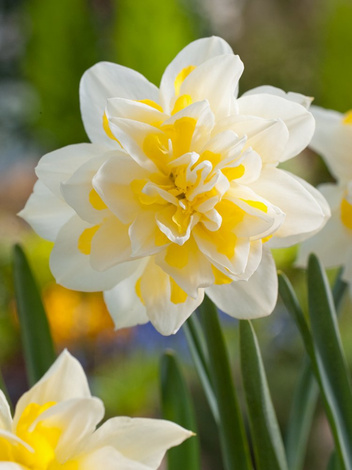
<point x="45" y="46"/>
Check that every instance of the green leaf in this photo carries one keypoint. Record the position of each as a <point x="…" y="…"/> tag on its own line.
<point x="177" y="406"/>
<point x="37" y="343"/>
<point x="231" y="429"/>
<point x="333" y="373"/>
<point x="306" y="391"/>
<point x="301" y="417"/>
<point x="334" y="462"/>
<point x="290" y="300"/>
<point x="195" y="340"/>
<point x="266" y="437"/>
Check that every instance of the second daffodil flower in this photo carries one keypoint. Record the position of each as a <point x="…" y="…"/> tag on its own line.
<point x="179" y="192"/>
<point x="333" y="141"/>
<point x="54" y="428"/>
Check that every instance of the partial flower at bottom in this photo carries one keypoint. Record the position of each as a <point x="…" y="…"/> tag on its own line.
<point x="179" y="193"/>
<point x="54" y="428"/>
<point x="333" y="141"/>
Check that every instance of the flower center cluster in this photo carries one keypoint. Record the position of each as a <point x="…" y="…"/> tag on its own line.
<point x="34" y="448"/>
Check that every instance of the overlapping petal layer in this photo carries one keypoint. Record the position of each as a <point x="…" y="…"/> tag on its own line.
<point x="333" y="141"/>
<point x="54" y="427"/>
<point x="180" y="191"/>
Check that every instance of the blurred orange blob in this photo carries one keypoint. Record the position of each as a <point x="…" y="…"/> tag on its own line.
<point x="76" y="316"/>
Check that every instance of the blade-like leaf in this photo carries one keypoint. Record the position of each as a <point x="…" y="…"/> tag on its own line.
<point x="290" y="300"/>
<point x="232" y="435"/>
<point x="333" y="373"/>
<point x="334" y="463"/>
<point x="177" y="406"/>
<point x="306" y="392"/>
<point x="301" y="417"/>
<point x="37" y="343"/>
<point x="266" y="437"/>
<point x="195" y="339"/>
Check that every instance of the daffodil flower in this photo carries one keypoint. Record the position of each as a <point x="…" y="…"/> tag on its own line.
<point x="179" y="192"/>
<point x="54" y="428"/>
<point x="333" y="141"/>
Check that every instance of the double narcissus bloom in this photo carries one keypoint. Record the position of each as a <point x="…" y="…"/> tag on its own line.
<point x="333" y="141"/>
<point x="54" y="428"/>
<point x="179" y="192"/>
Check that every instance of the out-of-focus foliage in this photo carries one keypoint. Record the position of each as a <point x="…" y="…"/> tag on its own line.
<point x="336" y="63"/>
<point x="147" y="34"/>
<point x="62" y="44"/>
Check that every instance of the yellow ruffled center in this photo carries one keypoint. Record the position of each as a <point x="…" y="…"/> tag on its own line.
<point x="35" y="448"/>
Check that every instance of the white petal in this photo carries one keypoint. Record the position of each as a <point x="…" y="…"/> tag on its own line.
<point x="111" y="245"/>
<point x="187" y="266"/>
<point x="331" y="244"/>
<point x="304" y="207"/>
<point x="249" y="299"/>
<point x="292" y="96"/>
<point x="333" y="141"/>
<point x="10" y="466"/>
<point x="206" y="242"/>
<point x="76" y="418"/>
<point x="113" y="184"/>
<point x="64" y="380"/>
<point x="123" y="303"/>
<point x="201" y="112"/>
<point x="135" y="110"/>
<point x="132" y="135"/>
<point x="143" y="235"/>
<point x="56" y="167"/>
<point x="45" y="212"/>
<point x="140" y="439"/>
<point x="215" y="80"/>
<point x="166" y="316"/>
<point x="268" y="137"/>
<point x="72" y="269"/>
<point x="298" y="120"/>
<point x="76" y="190"/>
<point x="194" y="53"/>
<point x="5" y="413"/>
<point x="108" y="458"/>
<point x="106" y="80"/>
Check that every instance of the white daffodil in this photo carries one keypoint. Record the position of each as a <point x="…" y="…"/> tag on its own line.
<point x="179" y="192"/>
<point x="333" y="141"/>
<point x="54" y="428"/>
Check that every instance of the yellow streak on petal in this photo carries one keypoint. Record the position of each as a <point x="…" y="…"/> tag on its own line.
<point x="180" y="133"/>
<point x="96" y="200"/>
<point x="85" y="240"/>
<point x="139" y="290"/>
<point x="233" y="173"/>
<point x="181" y="103"/>
<point x="212" y="157"/>
<point x="178" y="256"/>
<point x="257" y="205"/>
<point x="266" y="239"/>
<point x="160" y="238"/>
<point x="348" y="118"/>
<point x="225" y="238"/>
<point x="178" y="295"/>
<point x="346" y="213"/>
<point x="181" y="77"/>
<point x="42" y="439"/>
<point x="152" y="104"/>
<point x="156" y="148"/>
<point x="220" y="277"/>
<point x="107" y="129"/>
